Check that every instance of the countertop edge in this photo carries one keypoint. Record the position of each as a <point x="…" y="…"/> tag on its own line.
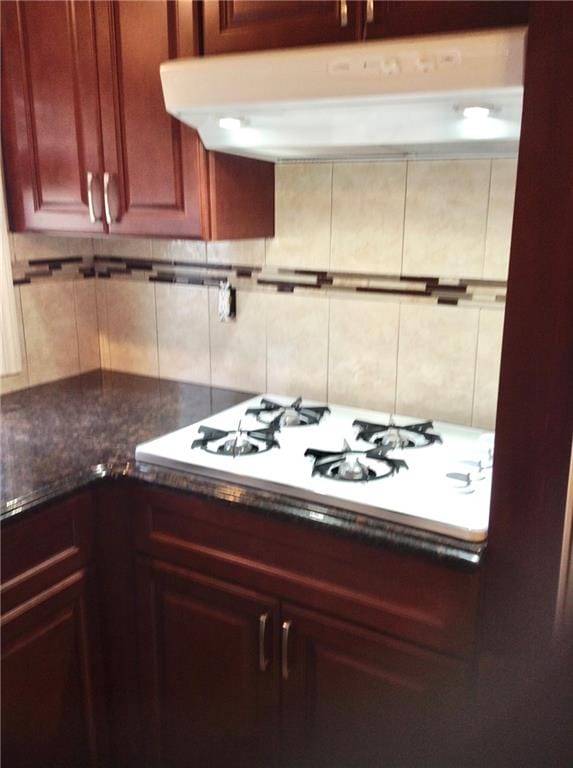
<point x="374" y="531"/>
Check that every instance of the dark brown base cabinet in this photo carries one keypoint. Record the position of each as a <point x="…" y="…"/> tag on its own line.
<point x="52" y="705"/>
<point x="227" y="638"/>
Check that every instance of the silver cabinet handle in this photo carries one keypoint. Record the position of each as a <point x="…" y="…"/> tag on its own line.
<point x="263" y="661"/>
<point x="284" y="651"/>
<point x="343" y="13"/>
<point x="90" y="179"/>
<point x="369" y="11"/>
<point x="106" y="182"/>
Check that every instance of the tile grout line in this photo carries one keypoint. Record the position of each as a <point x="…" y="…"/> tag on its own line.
<point x="156" y="332"/>
<point x="331" y="216"/>
<point x="25" y="350"/>
<point x="404" y="219"/>
<point x="209" y="334"/>
<point x="328" y="351"/>
<point x="76" y="324"/>
<point x="397" y="358"/>
<point x="265" y="304"/>
<point x="472" y="416"/>
<point x="487" y="218"/>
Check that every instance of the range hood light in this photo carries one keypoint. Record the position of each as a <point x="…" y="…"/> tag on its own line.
<point x="476" y="113"/>
<point x="231" y="123"/>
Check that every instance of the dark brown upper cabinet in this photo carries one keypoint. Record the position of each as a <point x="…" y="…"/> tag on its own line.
<point x="88" y="145"/>
<point x="250" y="25"/>
<point x="242" y="25"/>
<point x="406" y="17"/>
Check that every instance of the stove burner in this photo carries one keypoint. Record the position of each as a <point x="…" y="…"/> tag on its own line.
<point x="236" y="442"/>
<point x="393" y="436"/>
<point x="354" y="466"/>
<point x="294" y="415"/>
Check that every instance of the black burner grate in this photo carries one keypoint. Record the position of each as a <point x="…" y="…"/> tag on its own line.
<point x="236" y="442"/>
<point x="294" y="415"/>
<point x="397" y="436"/>
<point x="354" y="466"/>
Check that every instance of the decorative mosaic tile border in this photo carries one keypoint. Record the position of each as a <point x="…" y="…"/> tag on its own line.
<point x="432" y="289"/>
<point x="66" y="268"/>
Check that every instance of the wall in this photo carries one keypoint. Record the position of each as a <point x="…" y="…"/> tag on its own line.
<point x="338" y="227"/>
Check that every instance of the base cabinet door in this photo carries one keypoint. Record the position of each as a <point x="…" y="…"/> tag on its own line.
<point x="352" y="698"/>
<point x="208" y="658"/>
<point x="51" y="707"/>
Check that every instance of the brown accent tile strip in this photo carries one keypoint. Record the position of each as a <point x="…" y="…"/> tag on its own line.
<point x="52" y="263"/>
<point x="442" y="290"/>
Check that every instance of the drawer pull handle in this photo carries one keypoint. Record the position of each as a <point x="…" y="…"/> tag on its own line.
<point x="284" y="655"/>
<point x="263" y="661"/>
<point x="91" y="209"/>
<point x="106" y="182"/>
<point x="369" y="11"/>
<point x="343" y="13"/>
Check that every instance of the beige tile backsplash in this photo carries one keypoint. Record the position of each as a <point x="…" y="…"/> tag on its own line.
<point x="297" y="345"/>
<point x="363" y="343"/>
<point x="436" y="361"/>
<point x="183" y="333"/>
<point x="303" y="203"/>
<point x="368" y="217"/>
<point x="238" y="348"/>
<point x="437" y="218"/>
<point x="500" y="218"/>
<point x="446" y="218"/>
<point x="50" y="330"/>
<point x="131" y="328"/>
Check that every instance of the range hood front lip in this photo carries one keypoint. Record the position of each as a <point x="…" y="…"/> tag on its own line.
<point x="493" y="57"/>
<point x="268" y="87"/>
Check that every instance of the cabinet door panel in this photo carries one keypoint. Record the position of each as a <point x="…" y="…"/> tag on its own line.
<point x="411" y="17"/>
<point x="50" y="709"/>
<point x="157" y="173"/>
<point x="355" y="698"/>
<point x="50" y="116"/>
<point x="248" y="25"/>
<point x="206" y="701"/>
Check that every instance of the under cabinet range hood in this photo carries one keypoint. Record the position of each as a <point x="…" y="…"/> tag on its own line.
<point x="440" y="96"/>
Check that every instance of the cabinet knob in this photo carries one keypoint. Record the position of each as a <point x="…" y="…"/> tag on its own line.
<point x="284" y="654"/>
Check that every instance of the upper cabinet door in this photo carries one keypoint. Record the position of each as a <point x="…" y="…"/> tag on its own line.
<point x="250" y="25"/>
<point x="403" y="17"/>
<point x="50" y="116"/>
<point x="155" y="168"/>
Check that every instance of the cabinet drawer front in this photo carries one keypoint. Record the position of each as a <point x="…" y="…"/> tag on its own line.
<point x="44" y="547"/>
<point x="403" y="594"/>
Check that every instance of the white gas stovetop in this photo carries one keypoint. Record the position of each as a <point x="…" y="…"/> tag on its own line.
<point x="445" y="487"/>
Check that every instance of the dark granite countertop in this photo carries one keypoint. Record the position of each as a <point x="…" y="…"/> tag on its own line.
<point x="57" y="438"/>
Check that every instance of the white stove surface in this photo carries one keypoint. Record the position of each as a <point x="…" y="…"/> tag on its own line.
<point x="421" y="496"/>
